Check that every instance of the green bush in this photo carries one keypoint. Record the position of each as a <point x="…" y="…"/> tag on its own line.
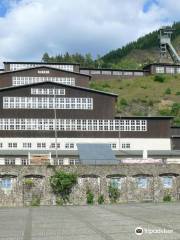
<point x="114" y="193"/>
<point x="167" y="91"/>
<point x="177" y="93"/>
<point x="59" y="201"/>
<point x="165" y="112"/>
<point x="101" y="199"/>
<point x="105" y="85"/>
<point x="89" y="197"/>
<point x="28" y="182"/>
<point x="167" y="198"/>
<point x="159" y="78"/>
<point x="62" y="182"/>
<point x="123" y="102"/>
<point x="175" y="109"/>
<point x="35" y="201"/>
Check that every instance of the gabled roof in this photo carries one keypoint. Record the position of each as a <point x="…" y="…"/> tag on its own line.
<point x="59" y="84"/>
<point x="47" y="67"/>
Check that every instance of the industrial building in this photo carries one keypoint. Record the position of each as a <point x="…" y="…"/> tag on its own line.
<point x="48" y="112"/>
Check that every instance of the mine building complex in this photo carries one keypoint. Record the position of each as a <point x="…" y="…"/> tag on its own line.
<point x="48" y="112"/>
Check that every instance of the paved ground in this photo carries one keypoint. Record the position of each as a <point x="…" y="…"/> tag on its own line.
<point x="113" y="222"/>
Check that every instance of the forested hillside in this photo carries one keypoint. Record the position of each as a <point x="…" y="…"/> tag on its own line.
<point x="132" y="56"/>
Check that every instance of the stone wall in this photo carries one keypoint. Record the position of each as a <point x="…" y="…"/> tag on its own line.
<point x="30" y="184"/>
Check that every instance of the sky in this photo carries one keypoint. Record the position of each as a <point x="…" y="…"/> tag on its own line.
<point x="28" y="28"/>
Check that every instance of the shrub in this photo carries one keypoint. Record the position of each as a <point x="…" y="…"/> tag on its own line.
<point x="114" y="193"/>
<point x="165" y="112"/>
<point x="105" y="85"/>
<point x="167" y="198"/>
<point x="123" y="102"/>
<point x="175" y="109"/>
<point x="90" y="197"/>
<point x="59" y="201"/>
<point x="62" y="183"/>
<point x="101" y="199"/>
<point x="167" y="91"/>
<point x="35" y="201"/>
<point x="159" y="78"/>
<point x="177" y="93"/>
<point x="28" y="182"/>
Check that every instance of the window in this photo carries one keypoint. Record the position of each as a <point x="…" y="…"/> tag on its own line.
<point x="26" y="65"/>
<point x="117" y="73"/>
<point x="17" y="81"/>
<point x="43" y="71"/>
<point x="24" y="161"/>
<point x="53" y="145"/>
<point x="72" y="125"/>
<point x="128" y="73"/>
<point x="97" y="72"/>
<point x="41" y="145"/>
<point x="115" y="182"/>
<point x="178" y="70"/>
<point x="5" y="183"/>
<point x="47" y="103"/>
<point x="69" y="145"/>
<point x="74" y="161"/>
<point x="12" y="145"/>
<point x="9" y="161"/>
<point x="142" y="182"/>
<point x="27" y="145"/>
<point x="126" y="145"/>
<point x="106" y="72"/>
<point x="167" y="181"/>
<point x="113" y="146"/>
<point x="159" y="69"/>
<point x="58" y="161"/>
<point x="138" y="73"/>
<point x="170" y="70"/>
<point x="47" y="91"/>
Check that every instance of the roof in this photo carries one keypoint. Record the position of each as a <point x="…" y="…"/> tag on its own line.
<point x="39" y="67"/>
<point x="160" y="153"/>
<point x="36" y="152"/>
<point x="54" y="63"/>
<point x="113" y="69"/>
<point x="144" y="117"/>
<point x="92" y="154"/>
<point x="161" y="64"/>
<point x="59" y="84"/>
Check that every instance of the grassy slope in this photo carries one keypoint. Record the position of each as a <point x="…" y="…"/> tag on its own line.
<point x="145" y="96"/>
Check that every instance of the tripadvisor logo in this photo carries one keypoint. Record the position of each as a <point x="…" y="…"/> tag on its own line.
<point x="139" y="231"/>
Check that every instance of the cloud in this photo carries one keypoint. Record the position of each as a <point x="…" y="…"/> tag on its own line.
<point x="32" y="27"/>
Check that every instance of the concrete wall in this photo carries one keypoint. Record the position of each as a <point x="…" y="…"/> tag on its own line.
<point x="95" y="178"/>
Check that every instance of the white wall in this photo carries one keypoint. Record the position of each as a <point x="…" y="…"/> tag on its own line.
<point x="135" y="143"/>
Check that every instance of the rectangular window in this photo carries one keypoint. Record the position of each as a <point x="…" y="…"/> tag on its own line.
<point x="167" y="181"/>
<point x="17" y="81"/>
<point x="170" y="70"/>
<point x="47" y="103"/>
<point x="159" y="69"/>
<point x="5" y="183"/>
<point x="115" y="182"/>
<point x="142" y="182"/>
<point x="12" y="145"/>
<point x="9" y="161"/>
